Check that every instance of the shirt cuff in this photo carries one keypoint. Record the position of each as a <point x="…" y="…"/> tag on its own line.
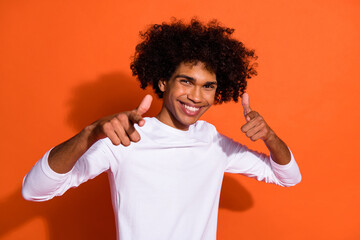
<point x="288" y="174"/>
<point x="283" y="167"/>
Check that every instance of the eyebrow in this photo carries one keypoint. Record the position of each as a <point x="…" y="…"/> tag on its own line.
<point x="194" y="80"/>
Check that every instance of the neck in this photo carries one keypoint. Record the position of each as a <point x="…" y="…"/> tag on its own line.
<point x="167" y="118"/>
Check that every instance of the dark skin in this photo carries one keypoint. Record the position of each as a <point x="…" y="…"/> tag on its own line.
<point x="119" y="128"/>
<point x="256" y="128"/>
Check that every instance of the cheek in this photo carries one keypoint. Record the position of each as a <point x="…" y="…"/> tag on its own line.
<point x="177" y="91"/>
<point x="210" y="97"/>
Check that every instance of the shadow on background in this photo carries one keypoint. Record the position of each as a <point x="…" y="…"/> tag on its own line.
<point x="109" y="94"/>
<point x="81" y="213"/>
<point x="234" y="196"/>
<point x="86" y="212"/>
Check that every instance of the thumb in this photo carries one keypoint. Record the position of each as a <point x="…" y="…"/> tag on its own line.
<point x="245" y="103"/>
<point x="144" y="105"/>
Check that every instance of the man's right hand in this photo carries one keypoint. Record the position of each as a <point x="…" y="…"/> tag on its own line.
<point x="119" y="128"/>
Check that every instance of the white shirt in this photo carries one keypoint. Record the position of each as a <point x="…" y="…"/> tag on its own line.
<point x="166" y="186"/>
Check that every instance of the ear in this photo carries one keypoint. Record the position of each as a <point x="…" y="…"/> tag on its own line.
<point x="162" y="85"/>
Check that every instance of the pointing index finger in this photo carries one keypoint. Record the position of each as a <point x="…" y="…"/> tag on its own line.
<point x="245" y="103"/>
<point x="144" y="105"/>
<point x="142" y="109"/>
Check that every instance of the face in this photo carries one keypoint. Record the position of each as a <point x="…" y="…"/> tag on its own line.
<point x="188" y="94"/>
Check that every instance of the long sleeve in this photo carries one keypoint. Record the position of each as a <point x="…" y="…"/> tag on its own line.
<point x="260" y="166"/>
<point x="42" y="183"/>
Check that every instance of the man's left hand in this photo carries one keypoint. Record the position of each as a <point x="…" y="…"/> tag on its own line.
<point x="255" y="127"/>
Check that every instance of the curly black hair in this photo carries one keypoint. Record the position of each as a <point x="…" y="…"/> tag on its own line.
<point x="165" y="46"/>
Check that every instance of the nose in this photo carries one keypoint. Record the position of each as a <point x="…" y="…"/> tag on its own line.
<point x="195" y="94"/>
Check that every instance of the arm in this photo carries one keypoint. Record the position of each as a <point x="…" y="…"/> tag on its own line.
<point x="53" y="174"/>
<point x="256" y="128"/>
<point x="119" y="128"/>
<point x="281" y="160"/>
<point x="242" y="160"/>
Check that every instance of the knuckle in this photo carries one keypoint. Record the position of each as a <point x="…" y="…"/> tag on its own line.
<point x="114" y="121"/>
<point x="121" y="117"/>
<point x="107" y="127"/>
<point x="135" y="117"/>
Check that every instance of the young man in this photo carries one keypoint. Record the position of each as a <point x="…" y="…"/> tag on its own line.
<point x="166" y="172"/>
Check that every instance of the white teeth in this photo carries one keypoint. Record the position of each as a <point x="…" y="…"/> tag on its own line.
<point x="193" y="109"/>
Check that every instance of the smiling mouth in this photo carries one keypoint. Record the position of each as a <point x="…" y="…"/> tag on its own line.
<point x="190" y="110"/>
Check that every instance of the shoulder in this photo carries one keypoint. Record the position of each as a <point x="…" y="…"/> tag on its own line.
<point x="207" y="130"/>
<point x="219" y="138"/>
<point x="202" y="125"/>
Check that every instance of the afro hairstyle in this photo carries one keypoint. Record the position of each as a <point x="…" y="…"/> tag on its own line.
<point x="165" y="46"/>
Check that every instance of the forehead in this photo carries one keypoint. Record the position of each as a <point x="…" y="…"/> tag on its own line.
<point x="197" y="70"/>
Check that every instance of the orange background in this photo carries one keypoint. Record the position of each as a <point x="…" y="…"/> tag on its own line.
<point x="63" y="64"/>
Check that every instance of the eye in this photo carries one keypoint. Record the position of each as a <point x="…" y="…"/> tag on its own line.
<point x="209" y="86"/>
<point x="185" y="81"/>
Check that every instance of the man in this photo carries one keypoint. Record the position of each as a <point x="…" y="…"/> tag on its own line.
<point x="166" y="172"/>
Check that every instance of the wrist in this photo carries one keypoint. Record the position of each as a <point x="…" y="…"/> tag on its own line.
<point x="88" y="135"/>
<point x="279" y="152"/>
<point x="271" y="137"/>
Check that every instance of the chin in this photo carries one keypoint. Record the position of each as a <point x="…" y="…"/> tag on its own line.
<point x="188" y="120"/>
